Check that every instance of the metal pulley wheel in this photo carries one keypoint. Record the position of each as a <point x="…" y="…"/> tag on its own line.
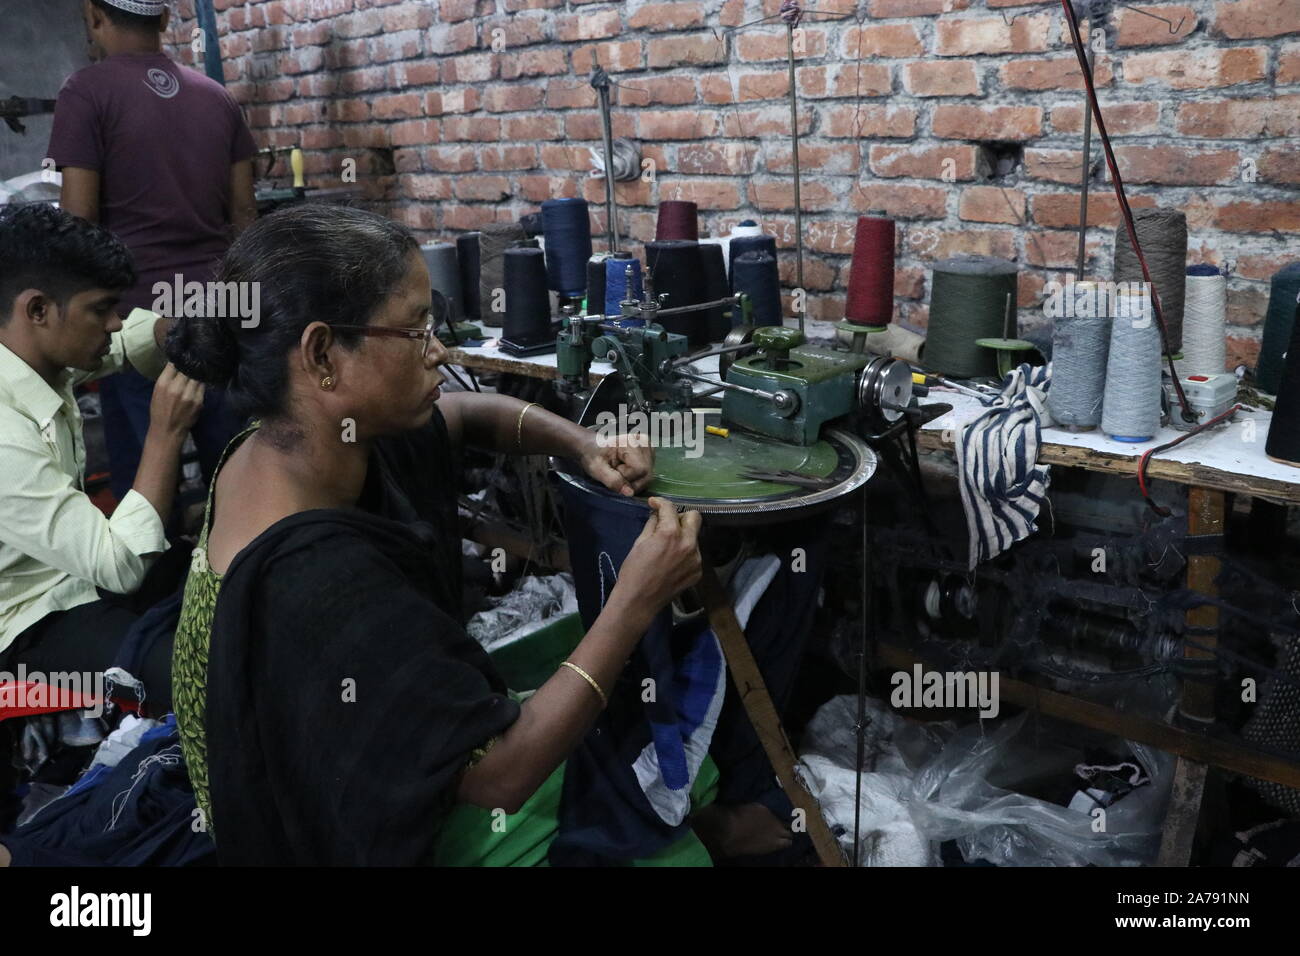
<point x="885" y="389"/>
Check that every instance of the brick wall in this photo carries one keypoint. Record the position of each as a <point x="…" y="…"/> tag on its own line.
<point x="961" y="118"/>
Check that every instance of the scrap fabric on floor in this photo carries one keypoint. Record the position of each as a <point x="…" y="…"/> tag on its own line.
<point x="140" y="812"/>
<point x="1002" y="487"/>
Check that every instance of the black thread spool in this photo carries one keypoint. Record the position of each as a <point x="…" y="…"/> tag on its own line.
<point x="527" y="325"/>
<point x="1283" y="444"/>
<point x="739" y="245"/>
<point x="596" y="283"/>
<point x="717" y="321"/>
<point x="467" y="254"/>
<point x="755" y="274"/>
<point x="675" y="264"/>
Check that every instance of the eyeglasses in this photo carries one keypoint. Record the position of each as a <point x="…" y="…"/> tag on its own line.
<point x="436" y="315"/>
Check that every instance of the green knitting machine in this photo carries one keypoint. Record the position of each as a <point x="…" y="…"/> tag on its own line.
<point x="788" y="435"/>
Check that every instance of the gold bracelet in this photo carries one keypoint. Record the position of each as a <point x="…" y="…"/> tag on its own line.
<point x="589" y="679"/>
<point x="519" y="426"/>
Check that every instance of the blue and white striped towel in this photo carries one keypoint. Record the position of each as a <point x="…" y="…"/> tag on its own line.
<point x="1002" y="485"/>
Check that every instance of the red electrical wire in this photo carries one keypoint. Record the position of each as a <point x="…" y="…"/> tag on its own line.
<point x="1146" y="456"/>
<point x="1124" y="207"/>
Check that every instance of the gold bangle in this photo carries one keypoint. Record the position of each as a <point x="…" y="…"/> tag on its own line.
<point x="589" y="679"/>
<point x="519" y="426"/>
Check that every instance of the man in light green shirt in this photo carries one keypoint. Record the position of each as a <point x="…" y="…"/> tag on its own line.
<point x="62" y="562"/>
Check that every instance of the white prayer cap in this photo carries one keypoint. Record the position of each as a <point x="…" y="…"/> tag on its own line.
<point x="145" y="8"/>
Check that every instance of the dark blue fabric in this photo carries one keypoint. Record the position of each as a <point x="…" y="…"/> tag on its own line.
<point x="111" y="818"/>
<point x="150" y="635"/>
<point x="124" y="400"/>
<point x="605" y="817"/>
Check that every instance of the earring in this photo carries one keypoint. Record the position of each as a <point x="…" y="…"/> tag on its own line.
<point x="327" y="382"/>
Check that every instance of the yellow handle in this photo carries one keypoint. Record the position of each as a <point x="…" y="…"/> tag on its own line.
<point x="715" y="430"/>
<point x="918" y="378"/>
<point x="295" y="161"/>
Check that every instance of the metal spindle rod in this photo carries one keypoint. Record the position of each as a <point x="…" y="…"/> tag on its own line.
<point x="794" y="155"/>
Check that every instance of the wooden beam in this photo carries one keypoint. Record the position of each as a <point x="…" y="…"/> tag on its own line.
<point x="762" y="713"/>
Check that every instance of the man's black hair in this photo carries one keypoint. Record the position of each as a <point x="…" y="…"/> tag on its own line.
<point x="60" y="254"/>
<point x="129" y="21"/>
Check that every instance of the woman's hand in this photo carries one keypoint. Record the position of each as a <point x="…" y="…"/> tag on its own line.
<point x="625" y="465"/>
<point x="664" y="560"/>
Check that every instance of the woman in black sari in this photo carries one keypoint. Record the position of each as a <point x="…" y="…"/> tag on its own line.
<point x="332" y="709"/>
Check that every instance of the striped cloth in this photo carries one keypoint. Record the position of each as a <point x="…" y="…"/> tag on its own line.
<point x="1002" y="485"/>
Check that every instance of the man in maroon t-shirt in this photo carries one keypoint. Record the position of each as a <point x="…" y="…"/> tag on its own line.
<point x="160" y="155"/>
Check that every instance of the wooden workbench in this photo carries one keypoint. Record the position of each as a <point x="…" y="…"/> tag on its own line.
<point x="1228" y="459"/>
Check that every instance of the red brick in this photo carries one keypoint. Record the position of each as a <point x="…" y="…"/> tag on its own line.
<point x="991" y="204"/>
<point x="1054" y="73"/>
<point x="464" y="100"/>
<point x="404" y="45"/>
<point x="450" y="159"/>
<point x="779" y="196"/>
<point x="667" y="16"/>
<point x="450" y="11"/>
<point x="900" y="201"/>
<point x="616" y="57"/>
<point x="830" y="236"/>
<point x="932" y="244"/>
<point x="1288" y="64"/>
<point x="474" y="129"/>
<point x="635" y="193"/>
<point x="543" y="62"/>
<point x="487" y="188"/>
<point x="565" y="92"/>
<point x="675" y="90"/>
<point x="1258" y="216"/>
<point x="1055" y="165"/>
<point x="508" y="157"/>
<point x="717" y="159"/>
<point x="588" y="26"/>
<point x="763" y="86"/>
<point x="1198" y="69"/>
<point x="471" y="68"/>
<point x="680" y="124"/>
<point x="706" y="193"/>
<point x="1134" y="29"/>
<point x="408" y="16"/>
<point x="424" y="187"/>
<point x="987" y="122"/>
<point x="512" y="98"/>
<point x="419" y="73"/>
<point x="874" y="121"/>
<point x="1122" y="119"/>
<point x="1256" y="18"/>
<point x="1241" y="119"/>
<point x="1280" y="165"/>
<point x="1242" y="351"/>
<point x="765" y="121"/>
<point x="967" y="37"/>
<point x="405" y="133"/>
<point x="1059" y="248"/>
<point x="1177" y="165"/>
<point x="881" y="40"/>
<point x="586" y="125"/>
<point x="915" y="8"/>
<point x="925" y="162"/>
<point x="832" y="160"/>
<point x="856" y="79"/>
<point x="754" y="47"/>
<point x="397" y="106"/>
<point x="544" y="126"/>
<point x="1061" y="210"/>
<point x="701" y="48"/>
<point x="941" y="78"/>
<point x="565" y="157"/>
